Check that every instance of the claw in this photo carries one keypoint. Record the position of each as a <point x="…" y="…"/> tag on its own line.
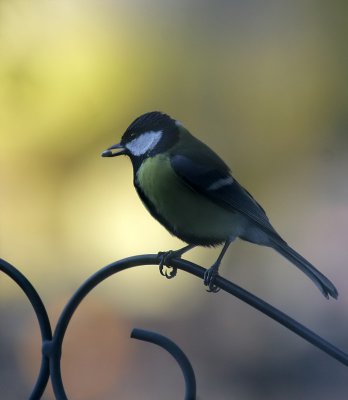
<point x="171" y="273"/>
<point x="161" y="264"/>
<point x="165" y="258"/>
<point x="164" y="264"/>
<point x="209" y="278"/>
<point x="213" y="289"/>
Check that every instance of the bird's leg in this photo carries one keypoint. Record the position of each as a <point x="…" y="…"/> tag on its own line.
<point x="212" y="272"/>
<point x="166" y="256"/>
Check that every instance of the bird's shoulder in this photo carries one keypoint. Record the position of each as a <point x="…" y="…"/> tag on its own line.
<point x="196" y="151"/>
<point x="208" y="174"/>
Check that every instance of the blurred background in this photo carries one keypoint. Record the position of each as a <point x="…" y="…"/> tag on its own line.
<point x="264" y="84"/>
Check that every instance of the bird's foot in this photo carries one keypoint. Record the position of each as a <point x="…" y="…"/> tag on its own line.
<point x="209" y="278"/>
<point x="164" y="264"/>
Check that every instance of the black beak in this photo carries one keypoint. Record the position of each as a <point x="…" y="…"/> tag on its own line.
<point x="108" y="152"/>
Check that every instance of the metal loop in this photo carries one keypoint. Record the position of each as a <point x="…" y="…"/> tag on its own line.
<point x="52" y="346"/>
<point x="42" y="317"/>
<point x="176" y="352"/>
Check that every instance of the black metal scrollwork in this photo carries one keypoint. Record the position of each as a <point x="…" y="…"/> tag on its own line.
<point x="52" y="345"/>
<point x="176" y="352"/>
<point x="44" y="323"/>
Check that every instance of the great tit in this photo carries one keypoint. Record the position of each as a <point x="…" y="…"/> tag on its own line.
<point x="189" y="189"/>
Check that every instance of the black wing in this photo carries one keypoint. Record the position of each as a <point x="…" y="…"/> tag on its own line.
<point x="217" y="184"/>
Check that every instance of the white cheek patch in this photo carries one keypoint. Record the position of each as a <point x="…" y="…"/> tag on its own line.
<point x="221" y="183"/>
<point x="144" y="143"/>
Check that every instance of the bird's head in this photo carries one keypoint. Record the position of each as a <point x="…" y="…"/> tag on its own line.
<point x="149" y="134"/>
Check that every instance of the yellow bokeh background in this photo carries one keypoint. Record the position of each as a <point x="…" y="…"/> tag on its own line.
<point x="265" y="85"/>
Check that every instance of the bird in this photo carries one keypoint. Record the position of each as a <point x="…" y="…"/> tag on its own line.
<point x="190" y="190"/>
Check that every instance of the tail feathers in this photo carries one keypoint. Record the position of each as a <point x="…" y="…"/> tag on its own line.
<point x="324" y="284"/>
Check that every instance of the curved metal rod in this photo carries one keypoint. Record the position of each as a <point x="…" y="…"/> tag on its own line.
<point x="42" y="317"/>
<point x="268" y="310"/>
<point x="51" y="349"/>
<point x="154" y="259"/>
<point x="176" y="352"/>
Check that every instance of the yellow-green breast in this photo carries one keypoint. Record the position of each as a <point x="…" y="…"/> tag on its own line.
<point x="187" y="212"/>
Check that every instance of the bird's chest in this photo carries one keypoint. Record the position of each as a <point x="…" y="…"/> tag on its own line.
<point x="167" y="193"/>
<point x="176" y="205"/>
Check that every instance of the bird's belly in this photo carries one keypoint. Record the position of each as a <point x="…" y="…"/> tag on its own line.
<point x="186" y="213"/>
